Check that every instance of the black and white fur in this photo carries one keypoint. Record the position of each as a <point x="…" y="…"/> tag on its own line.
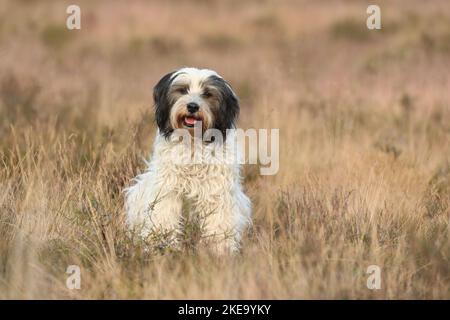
<point x="213" y="189"/>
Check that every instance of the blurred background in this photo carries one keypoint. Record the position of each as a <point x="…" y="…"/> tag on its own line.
<point x="364" y="121"/>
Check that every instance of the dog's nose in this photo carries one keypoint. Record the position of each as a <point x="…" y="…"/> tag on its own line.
<point x="192" y="107"/>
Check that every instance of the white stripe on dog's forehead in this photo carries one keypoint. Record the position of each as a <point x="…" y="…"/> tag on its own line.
<point x="193" y="77"/>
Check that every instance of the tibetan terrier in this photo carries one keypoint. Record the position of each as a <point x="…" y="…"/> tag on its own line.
<point x="192" y="100"/>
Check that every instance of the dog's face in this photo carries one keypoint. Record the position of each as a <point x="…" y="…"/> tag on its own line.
<point x="188" y="95"/>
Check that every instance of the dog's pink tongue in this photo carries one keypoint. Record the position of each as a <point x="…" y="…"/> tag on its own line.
<point x="190" y="120"/>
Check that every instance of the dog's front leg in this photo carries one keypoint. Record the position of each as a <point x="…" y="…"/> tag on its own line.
<point x="224" y="220"/>
<point x="152" y="210"/>
<point x="163" y="217"/>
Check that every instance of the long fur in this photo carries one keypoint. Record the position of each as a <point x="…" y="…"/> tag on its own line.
<point x="212" y="189"/>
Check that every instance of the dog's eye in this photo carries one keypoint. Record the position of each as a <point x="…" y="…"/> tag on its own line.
<point x="182" y="90"/>
<point x="207" y="94"/>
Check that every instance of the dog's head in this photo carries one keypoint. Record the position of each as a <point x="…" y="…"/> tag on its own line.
<point x="188" y="95"/>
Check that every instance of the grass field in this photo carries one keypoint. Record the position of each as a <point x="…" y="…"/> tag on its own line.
<point x="364" y="119"/>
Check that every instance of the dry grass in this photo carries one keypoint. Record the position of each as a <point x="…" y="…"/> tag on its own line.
<point x="364" y="120"/>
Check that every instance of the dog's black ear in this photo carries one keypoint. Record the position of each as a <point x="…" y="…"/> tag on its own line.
<point x="163" y="104"/>
<point x="229" y="106"/>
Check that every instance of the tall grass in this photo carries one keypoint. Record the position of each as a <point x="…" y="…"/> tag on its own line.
<point x="364" y="148"/>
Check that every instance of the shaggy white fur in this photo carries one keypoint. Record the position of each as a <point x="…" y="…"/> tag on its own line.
<point x="211" y="187"/>
<point x="212" y="190"/>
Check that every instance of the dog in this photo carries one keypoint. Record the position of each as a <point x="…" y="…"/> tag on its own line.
<point x="192" y="99"/>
